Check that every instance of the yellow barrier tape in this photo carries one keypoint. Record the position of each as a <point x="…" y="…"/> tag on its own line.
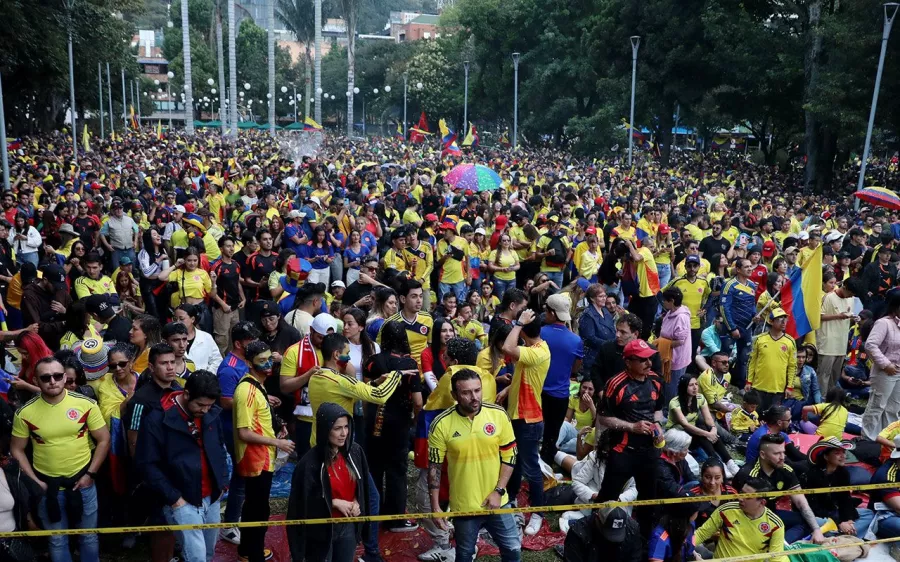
<point x="804" y="550"/>
<point x="448" y="515"/>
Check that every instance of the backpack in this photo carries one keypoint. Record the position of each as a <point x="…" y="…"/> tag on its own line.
<point x="558" y="259"/>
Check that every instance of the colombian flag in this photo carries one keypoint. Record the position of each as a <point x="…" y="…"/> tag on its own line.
<point x="159" y="130"/>
<point x="310" y="125"/>
<point x="471" y="136"/>
<point x="418" y="133"/>
<point x="134" y="122"/>
<point x="801" y="296"/>
<point x="448" y="140"/>
<point x="86" y="139"/>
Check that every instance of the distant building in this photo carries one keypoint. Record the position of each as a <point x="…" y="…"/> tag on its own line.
<point x="413" y="26"/>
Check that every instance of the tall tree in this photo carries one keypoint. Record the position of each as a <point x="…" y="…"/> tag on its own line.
<point x="319" y="56"/>
<point x="350" y="11"/>
<point x="232" y="70"/>
<point x="270" y="23"/>
<point x="188" y="87"/>
<point x="223" y="117"/>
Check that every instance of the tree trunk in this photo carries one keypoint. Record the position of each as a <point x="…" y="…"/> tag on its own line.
<point x="811" y="71"/>
<point x="318" y="17"/>
<point x="232" y="72"/>
<point x="188" y="89"/>
<point x="825" y="165"/>
<point x="666" y="121"/>
<point x="308" y="79"/>
<point x="351" y="62"/>
<point x="270" y="17"/>
<point x="223" y="117"/>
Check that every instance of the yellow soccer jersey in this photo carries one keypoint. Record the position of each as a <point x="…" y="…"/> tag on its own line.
<point x="739" y="535"/>
<point x="418" y="332"/>
<point x="330" y="386"/>
<point x="773" y="363"/>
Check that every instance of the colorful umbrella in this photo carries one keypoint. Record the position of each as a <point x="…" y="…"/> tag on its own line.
<point x="880" y="197"/>
<point x="473" y="176"/>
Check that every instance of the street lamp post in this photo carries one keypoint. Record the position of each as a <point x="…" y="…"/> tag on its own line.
<point x="4" y="157"/>
<point x="70" y="6"/>
<point x="635" y="43"/>
<point x="405" y="89"/>
<point x="137" y="89"/>
<point x="387" y="90"/>
<point x="124" y="103"/>
<point x="466" y="97"/>
<point x="515" y="57"/>
<point x="100" y="91"/>
<point x="112" y="126"/>
<point x="171" y="75"/>
<point x="890" y="12"/>
<point x="295" y="103"/>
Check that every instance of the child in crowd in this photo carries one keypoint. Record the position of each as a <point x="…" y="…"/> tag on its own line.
<point x="468" y="327"/>
<point x="831" y="415"/>
<point x="805" y="384"/>
<point x="745" y="420"/>
<point x="579" y="417"/>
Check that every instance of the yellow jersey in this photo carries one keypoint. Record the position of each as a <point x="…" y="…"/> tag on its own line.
<point x="474" y="449"/>
<point x="441" y="399"/>
<point x="418" y="332"/>
<point x="330" y="386"/>
<point x="831" y="425"/>
<point x="743" y="421"/>
<point x="528" y="382"/>
<point x="85" y="286"/>
<point x="712" y="388"/>
<point x="251" y="410"/>
<point x="739" y="535"/>
<point x="453" y="269"/>
<point x="421" y="263"/>
<point x="694" y="294"/>
<point x="773" y="363"/>
<point x="507" y="259"/>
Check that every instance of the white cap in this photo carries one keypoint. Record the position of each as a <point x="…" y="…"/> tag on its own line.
<point x="804" y="235"/>
<point x="316" y="200"/>
<point x="294" y="214"/>
<point x="338" y="284"/>
<point x="479" y="231"/>
<point x="180" y="209"/>
<point x="833" y="236"/>
<point x="322" y="323"/>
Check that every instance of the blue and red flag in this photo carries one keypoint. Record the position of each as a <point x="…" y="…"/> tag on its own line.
<point x="801" y="296"/>
<point x="448" y="140"/>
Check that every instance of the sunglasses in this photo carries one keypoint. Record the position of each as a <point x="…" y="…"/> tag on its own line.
<point x="55" y="376"/>
<point x="119" y="365"/>
<point x="641" y="359"/>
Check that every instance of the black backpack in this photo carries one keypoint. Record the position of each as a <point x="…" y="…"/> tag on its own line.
<point x="558" y="259"/>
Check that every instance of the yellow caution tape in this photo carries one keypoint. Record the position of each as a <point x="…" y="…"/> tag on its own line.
<point x="478" y="513"/>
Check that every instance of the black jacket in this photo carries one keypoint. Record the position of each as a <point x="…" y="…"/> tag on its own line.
<point x="609" y="363"/>
<point x="168" y="457"/>
<point x="840" y="504"/>
<point x="311" y="489"/>
<point x="671" y="477"/>
<point x="25" y="491"/>
<point x="584" y="543"/>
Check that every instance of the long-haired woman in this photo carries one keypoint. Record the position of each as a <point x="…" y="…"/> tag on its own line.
<point x="31" y="349"/>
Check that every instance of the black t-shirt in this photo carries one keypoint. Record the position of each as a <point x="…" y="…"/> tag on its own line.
<point x="398" y="408"/>
<point x="258" y="268"/>
<point x="432" y="204"/>
<point x="241" y="259"/>
<point x="781" y="478"/>
<point x="710" y="246"/>
<point x="632" y="400"/>
<point x="854" y="250"/>
<point x="147" y="397"/>
<point x="118" y="329"/>
<point x="356" y="291"/>
<point x="228" y="279"/>
<point x="86" y="226"/>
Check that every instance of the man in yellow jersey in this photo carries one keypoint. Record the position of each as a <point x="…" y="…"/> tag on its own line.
<point x="644" y="304"/>
<point x="693" y="249"/>
<point x="522" y="245"/>
<point x="298" y="364"/>
<point x="714" y="384"/>
<point x="420" y="257"/>
<point x="395" y="257"/>
<point x="57" y="423"/>
<point x="695" y="290"/>
<point x="453" y="261"/>
<point x="554" y="249"/>
<point x="93" y="282"/>
<point x="525" y="407"/>
<point x="418" y="324"/>
<point x="477" y="441"/>
<point x="770" y="467"/>
<point x="256" y="438"/>
<point x="773" y="362"/>
<point x="746" y="526"/>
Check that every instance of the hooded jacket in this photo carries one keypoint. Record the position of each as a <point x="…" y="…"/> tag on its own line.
<point x="676" y="326"/>
<point x="311" y="488"/>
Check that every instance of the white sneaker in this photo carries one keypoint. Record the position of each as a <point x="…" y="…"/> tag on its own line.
<point x="438" y="554"/>
<point x="231" y="534"/>
<point x="731" y="469"/>
<point x="534" y="525"/>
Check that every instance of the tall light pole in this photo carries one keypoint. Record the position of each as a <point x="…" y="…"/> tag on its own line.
<point x="318" y="64"/>
<point x="466" y="98"/>
<point x="70" y="7"/>
<point x="635" y="43"/>
<point x="405" y="89"/>
<point x="4" y="157"/>
<point x="295" y="100"/>
<point x="124" y="104"/>
<point x="171" y="75"/>
<point x="100" y="91"/>
<point x="112" y="125"/>
<point x="137" y="89"/>
<point x="890" y="12"/>
<point x="515" y="57"/>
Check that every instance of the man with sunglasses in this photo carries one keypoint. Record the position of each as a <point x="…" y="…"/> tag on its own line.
<point x="632" y="410"/>
<point x="57" y="424"/>
<point x="182" y="459"/>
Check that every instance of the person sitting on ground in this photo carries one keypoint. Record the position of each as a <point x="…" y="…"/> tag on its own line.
<point x="712" y="483"/>
<point x="776" y="420"/>
<point x="673" y="472"/>
<point x="673" y="539"/>
<point x="580" y="418"/>
<point x="829" y="458"/>
<point x="745" y="419"/>
<point x="805" y="385"/>
<point x="832" y="415"/>
<point x="609" y="534"/>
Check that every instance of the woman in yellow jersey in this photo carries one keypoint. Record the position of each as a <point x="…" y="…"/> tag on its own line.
<point x="145" y="333"/>
<point x="831" y="415"/>
<point x="581" y="413"/>
<point x="503" y="263"/>
<point x="191" y="284"/>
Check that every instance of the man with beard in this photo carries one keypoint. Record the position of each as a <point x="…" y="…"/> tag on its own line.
<point x="259" y="266"/>
<point x="714" y="243"/>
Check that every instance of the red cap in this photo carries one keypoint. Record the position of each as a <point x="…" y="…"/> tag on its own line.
<point x="469" y="192"/>
<point x="501" y="221"/>
<point x="590" y="230"/>
<point x="431" y="217"/>
<point x="665" y="229"/>
<point x="638" y="348"/>
<point x="189" y="207"/>
<point x="768" y="249"/>
<point x="599" y="201"/>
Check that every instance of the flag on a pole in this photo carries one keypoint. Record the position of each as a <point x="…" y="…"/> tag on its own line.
<point x="471" y="136"/>
<point x="159" y="130"/>
<point x="504" y="138"/>
<point x="310" y="125"/>
<point x="801" y="296"/>
<point x="420" y="131"/>
<point x="86" y="139"/>
<point x="448" y="140"/>
<point x="134" y="121"/>
<point x="13" y="144"/>
<point x="400" y="130"/>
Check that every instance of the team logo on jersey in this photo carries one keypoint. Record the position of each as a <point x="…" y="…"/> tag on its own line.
<point x="490" y="429"/>
<point x="783" y="348"/>
<point x="780" y="485"/>
<point x="699" y="289"/>
<point x="423" y="330"/>
<point x="73" y="414"/>
<point x="764" y="527"/>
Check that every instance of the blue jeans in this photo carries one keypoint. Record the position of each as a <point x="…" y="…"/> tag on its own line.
<point x="235" y="489"/>
<point x="196" y="545"/>
<point x="664" y="270"/>
<point x="672" y="385"/>
<point x="458" y="289"/>
<point x="371" y="543"/>
<point x="556" y="277"/>
<point x="501" y="286"/>
<point x="119" y="254"/>
<point x="88" y="545"/>
<point x="739" y="378"/>
<point x="503" y="530"/>
<point x="528" y="444"/>
<point x="30" y="257"/>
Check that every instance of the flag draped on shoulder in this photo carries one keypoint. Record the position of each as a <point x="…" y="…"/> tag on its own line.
<point x="420" y="131"/>
<point x="471" y="137"/>
<point x="448" y="140"/>
<point x="400" y="130"/>
<point x="86" y="139"/>
<point x="801" y="296"/>
<point x="310" y="125"/>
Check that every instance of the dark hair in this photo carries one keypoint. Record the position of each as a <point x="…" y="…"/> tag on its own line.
<point x="854" y="285"/>
<point x="332" y="343"/>
<point x="533" y="328"/>
<point x="836" y="398"/>
<point x="244" y="330"/>
<point x="673" y="294"/>
<point x="634" y="323"/>
<point x="151" y="327"/>
<point x="124" y="348"/>
<point x="173" y="328"/>
<point x="712" y="462"/>
<point x="203" y="384"/>
<point x="69" y="361"/>
<point x="437" y="366"/>
<point x="688" y="403"/>
<point x="368" y="346"/>
<point x="498" y="338"/>
<point x="255" y="348"/>
<point x="394" y="338"/>
<point x="51" y="359"/>
<point x="462" y="350"/>
<point x="510" y="297"/>
<point x="408" y="285"/>
<point x="463" y="375"/>
<point x="222" y="240"/>
<point x="159" y="349"/>
<point x="771" y="439"/>
<point x="721" y="353"/>
<point x="758" y="484"/>
<point x="752" y="398"/>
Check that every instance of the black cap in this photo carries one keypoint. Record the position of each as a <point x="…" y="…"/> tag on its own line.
<point x="615" y="524"/>
<point x="269" y="308"/>
<point x="56" y="275"/>
<point x="99" y="306"/>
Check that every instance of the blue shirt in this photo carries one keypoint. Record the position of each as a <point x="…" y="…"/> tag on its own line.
<point x="753" y="443"/>
<point x="353" y="256"/>
<point x="565" y="348"/>
<point x="661" y="547"/>
<point x="231" y="370"/>
<point x="368" y="240"/>
<point x="312" y="250"/>
<point x="289" y="232"/>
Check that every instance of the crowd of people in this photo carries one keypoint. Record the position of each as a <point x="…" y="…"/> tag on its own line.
<point x="185" y="316"/>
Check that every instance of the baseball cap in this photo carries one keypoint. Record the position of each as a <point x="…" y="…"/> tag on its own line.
<point x="590" y="230"/>
<point x="614" y="524"/>
<point x="479" y="231"/>
<point x="561" y="305"/>
<point x="692" y="259"/>
<point x="322" y="323"/>
<point x="768" y="249"/>
<point x="664" y="229"/>
<point x="553" y="217"/>
<point x="790" y="250"/>
<point x="295" y="214"/>
<point x="637" y="348"/>
<point x="180" y="209"/>
<point x="501" y="221"/>
<point x="338" y="283"/>
<point x="804" y="235"/>
<point x="125" y="260"/>
<point x="56" y="275"/>
<point x="269" y="308"/>
<point x="833" y="236"/>
<point x="431" y="217"/>
<point x="777" y="313"/>
<point x="448" y="224"/>
<point x="99" y="306"/>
